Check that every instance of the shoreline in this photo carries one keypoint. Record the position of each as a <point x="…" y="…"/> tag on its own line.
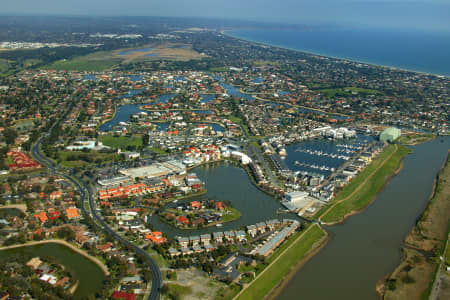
<point x="276" y="291"/>
<point x="353" y="212"/>
<point x="66" y="244"/>
<point x="280" y="257"/>
<point x="309" y="52"/>
<point x="415" y="231"/>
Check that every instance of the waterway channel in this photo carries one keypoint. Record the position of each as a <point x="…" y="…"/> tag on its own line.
<point x="226" y="182"/>
<point x="89" y="275"/>
<point x="367" y="246"/>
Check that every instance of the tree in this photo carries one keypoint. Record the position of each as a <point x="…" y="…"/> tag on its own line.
<point x="10" y="135"/>
<point x="145" y="140"/>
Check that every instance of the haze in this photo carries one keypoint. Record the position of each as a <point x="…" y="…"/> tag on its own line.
<point x="416" y="14"/>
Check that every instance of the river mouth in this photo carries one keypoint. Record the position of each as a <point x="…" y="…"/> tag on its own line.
<point x="367" y="246"/>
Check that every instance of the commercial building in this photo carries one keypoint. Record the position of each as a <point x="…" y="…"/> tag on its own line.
<point x="156" y="170"/>
<point x="295" y="196"/>
<point x="390" y="134"/>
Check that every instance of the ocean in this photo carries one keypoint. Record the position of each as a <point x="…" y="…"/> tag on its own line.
<point x="422" y="51"/>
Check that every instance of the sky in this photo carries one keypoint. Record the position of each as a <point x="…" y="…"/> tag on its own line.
<point x="411" y="14"/>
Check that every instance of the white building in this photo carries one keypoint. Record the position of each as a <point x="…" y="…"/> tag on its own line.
<point x="295" y="196"/>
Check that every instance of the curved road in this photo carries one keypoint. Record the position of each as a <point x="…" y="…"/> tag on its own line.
<point x="84" y="188"/>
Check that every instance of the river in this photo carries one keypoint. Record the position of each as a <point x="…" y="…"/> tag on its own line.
<point x="90" y="276"/>
<point x="367" y="246"/>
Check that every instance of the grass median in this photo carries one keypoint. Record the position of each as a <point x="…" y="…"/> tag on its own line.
<point x="284" y="264"/>
<point x="362" y="190"/>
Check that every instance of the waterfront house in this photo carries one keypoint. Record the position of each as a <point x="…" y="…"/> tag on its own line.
<point x="218" y="237"/>
<point x="208" y="247"/>
<point x="252" y="230"/>
<point x="183" y="241"/>
<point x="156" y="237"/>
<point x="182" y="220"/>
<point x="228" y="236"/>
<point x="173" y="252"/>
<point x="271" y="224"/>
<point x="261" y="227"/>
<point x="197" y="249"/>
<point x="240" y="236"/>
<point x="194" y="240"/>
<point x="205" y="238"/>
<point x="186" y="251"/>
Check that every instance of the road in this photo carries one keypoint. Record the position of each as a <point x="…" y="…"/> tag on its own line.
<point x="84" y="190"/>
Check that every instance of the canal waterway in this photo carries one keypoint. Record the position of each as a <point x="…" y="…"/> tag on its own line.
<point x="226" y="182"/>
<point x="367" y="246"/>
<point x="89" y="275"/>
<point x="124" y="112"/>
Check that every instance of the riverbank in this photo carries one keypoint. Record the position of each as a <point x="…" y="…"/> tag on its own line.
<point x="68" y="245"/>
<point x="423" y="246"/>
<point x="107" y="120"/>
<point x="280" y="270"/>
<point x="363" y="189"/>
<point x="416" y="138"/>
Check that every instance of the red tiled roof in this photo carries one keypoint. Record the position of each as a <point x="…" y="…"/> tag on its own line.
<point x="123" y="295"/>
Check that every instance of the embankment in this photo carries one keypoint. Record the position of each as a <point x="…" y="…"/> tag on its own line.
<point x="363" y="189"/>
<point x="423" y="246"/>
<point x="277" y="273"/>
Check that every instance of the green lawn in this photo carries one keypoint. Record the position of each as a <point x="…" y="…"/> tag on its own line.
<point x="233" y="214"/>
<point x="370" y="188"/>
<point x="121" y="142"/>
<point x="83" y="64"/>
<point x="4" y="65"/>
<point x="235" y="119"/>
<point x="178" y="291"/>
<point x="71" y="159"/>
<point x="219" y="69"/>
<point x="158" y="151"/>
<point x="227" y="293"/>
<point x="284" y="246"/>
<point x="347" y="91"/>
<point x="415" y="138"/>
<point x="266" y="62"/>
<point x="274" y="273"/>
<point x="31" y="62"/>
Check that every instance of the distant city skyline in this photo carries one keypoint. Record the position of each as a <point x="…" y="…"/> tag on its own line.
<point x="413" y="14"/>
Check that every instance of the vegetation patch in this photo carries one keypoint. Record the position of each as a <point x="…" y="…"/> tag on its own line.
<point x="424" y="246"/>
<point x="175" y="291"/>
<point x="95" y="62"/>
<point x="414" y="139"/>
<point x="122" y="142"/>
<point x="72" y="159"/>
<point x="348" y="91"/>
